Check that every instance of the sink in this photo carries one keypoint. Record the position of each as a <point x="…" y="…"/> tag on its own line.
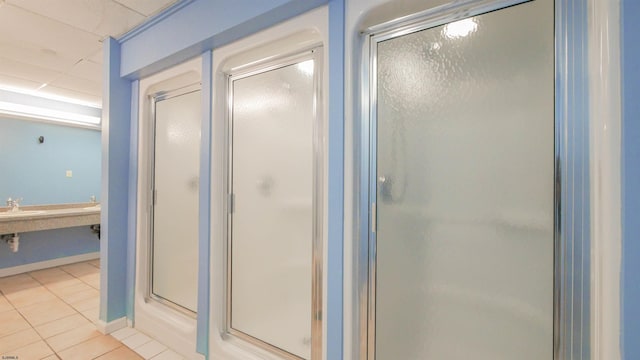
<point x="47" y="217"/>
<point x="21" y="213"/>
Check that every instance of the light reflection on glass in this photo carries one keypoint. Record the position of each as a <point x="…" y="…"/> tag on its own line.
<point x="460" y="28"/>
<point x="306" y="67"/>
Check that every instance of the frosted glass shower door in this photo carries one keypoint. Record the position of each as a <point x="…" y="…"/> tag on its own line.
<point x="174" y="245"/>
<point x="464" y="189"/>
<point x="273" y="221"/>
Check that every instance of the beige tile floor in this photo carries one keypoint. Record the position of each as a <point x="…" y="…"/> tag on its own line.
<point x="51" y="314"/>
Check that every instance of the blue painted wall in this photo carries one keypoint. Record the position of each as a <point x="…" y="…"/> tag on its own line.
<point x="202" y="341"/>
<point x="36" y="172"/>
<point x="196" y="26"/>
<point x="39" y="246"/>
<point x="116" y="162"/>
<point x="133" y="200"/>
<point x="335" y="145"/>
<point x="630" y="322"/>
<point x="573" y="147"/>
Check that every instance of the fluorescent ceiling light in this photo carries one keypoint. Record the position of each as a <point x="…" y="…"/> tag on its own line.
<point x="48" y="114"/>
<point x="38" y="93"/>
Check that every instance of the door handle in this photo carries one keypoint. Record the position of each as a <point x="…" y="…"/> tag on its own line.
<point x="385" y="186"/>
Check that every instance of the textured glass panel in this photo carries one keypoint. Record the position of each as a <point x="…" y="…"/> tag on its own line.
<point x="175" y="214"/>
<point x="272" y="220"/>
<point x="465" y="149"/>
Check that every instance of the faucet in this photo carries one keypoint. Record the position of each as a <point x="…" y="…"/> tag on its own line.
<point x="13" y="204"/>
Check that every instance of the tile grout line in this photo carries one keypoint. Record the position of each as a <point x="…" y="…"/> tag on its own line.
<point x="31" y="326"/>
<point x="76" y="312"/>
<point x="81" y="342"/>
<point x="77" y="278"/>
<point x="60" y="298"/>
<point x="33" y="342"/>
<point x="34" y="326"/>
<point x="151" y="339"/>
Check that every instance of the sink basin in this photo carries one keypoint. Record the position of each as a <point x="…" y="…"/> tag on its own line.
<point x="48" y="217"/>
<point x="21" y="213"/>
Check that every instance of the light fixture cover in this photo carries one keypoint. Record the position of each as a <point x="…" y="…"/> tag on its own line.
<point x="34" y="107"/>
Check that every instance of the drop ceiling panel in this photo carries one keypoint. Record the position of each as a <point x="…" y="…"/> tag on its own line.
<point x="71" y="94"/>
<point x="26" y="71"/>
<point x="10" y="82"/>
<point x="96" y="57"/>
<point x="34" y="55"/>
<point x="147" y="7"/>
<point x="81" y="85"/>
<point x="100" y="17"/>
<point x="87" y="70"/>
<point x="58" y="42"/>
<point x="18" y="25"/>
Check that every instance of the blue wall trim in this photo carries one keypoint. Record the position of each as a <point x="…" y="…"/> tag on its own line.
<point x="630" y="287"/>
<point x="116" y="139"/>
<point x="187" y="33"/>
<point x="202" y="341"/>
<point x="133" y="201"/>
<point x="572" y="166"/>
<point x="335" y="256"/>
<point x="39" y="246"/>
<point x="153" y="20"/>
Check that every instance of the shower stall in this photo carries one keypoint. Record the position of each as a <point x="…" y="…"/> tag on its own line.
<point x="274" y="223"/>
<point x="166" y="293"/>
<point x="462" y="185"/>
<point x="269" y="206"/>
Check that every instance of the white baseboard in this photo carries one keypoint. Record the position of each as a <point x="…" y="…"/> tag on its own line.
<point x="111" y="326"/>
<point x="48" y="264"/>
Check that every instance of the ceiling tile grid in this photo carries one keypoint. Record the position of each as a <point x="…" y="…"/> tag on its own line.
<point x="55" y="46"/>
<point x="147" y="7"/>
